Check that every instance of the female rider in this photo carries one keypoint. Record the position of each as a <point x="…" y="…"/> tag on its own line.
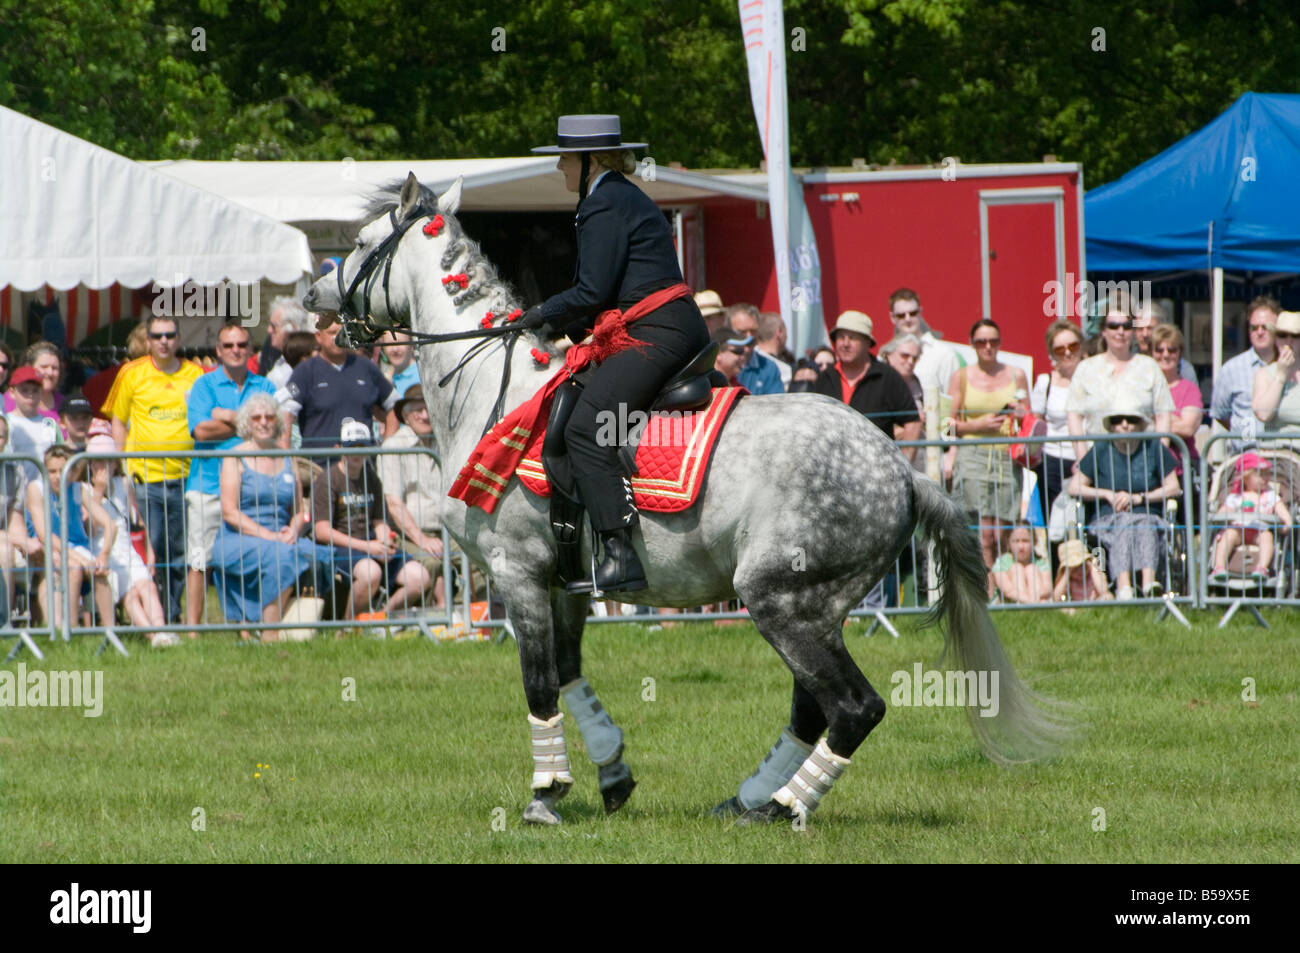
<point x="625" y="253"/>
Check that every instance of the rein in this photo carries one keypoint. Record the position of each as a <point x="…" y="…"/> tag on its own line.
<point x="364" y="331"/>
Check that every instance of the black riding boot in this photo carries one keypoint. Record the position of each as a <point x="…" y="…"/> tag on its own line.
<point x="613" y="515"/>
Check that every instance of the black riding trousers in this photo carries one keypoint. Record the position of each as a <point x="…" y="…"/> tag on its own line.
<point x="628" y="381"/>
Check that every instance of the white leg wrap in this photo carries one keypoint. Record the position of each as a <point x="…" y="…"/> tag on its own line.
<point x="812" y="781"/>
<point x="775" y="770"/>
<point x="604" y="739"/>
<point x="550" y="755"/>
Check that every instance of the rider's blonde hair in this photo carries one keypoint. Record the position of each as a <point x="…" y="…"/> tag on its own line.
<point x="616" y="160"/>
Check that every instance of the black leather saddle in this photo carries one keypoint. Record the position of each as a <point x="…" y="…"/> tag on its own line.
<point x="691" y="389"/>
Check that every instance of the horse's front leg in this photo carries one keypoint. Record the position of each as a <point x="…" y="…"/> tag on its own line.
<point x="603" y="738"/>
<point x="527" y="601"/>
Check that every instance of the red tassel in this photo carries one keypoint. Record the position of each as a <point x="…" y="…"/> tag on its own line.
<point x="541" y="357"/>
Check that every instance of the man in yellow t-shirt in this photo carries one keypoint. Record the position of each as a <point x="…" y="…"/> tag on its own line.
<point x="147" y="406"/>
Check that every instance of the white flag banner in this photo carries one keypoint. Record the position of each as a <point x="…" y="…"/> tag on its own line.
<point x="798" y="268"/>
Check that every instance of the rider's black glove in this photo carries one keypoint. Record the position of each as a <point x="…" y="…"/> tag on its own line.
<point x="533" y="319"/>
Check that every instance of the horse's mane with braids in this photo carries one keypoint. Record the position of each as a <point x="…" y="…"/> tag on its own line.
<point x="485" y="282"/>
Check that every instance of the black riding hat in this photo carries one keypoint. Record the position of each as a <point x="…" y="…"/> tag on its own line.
<point x="588" y="133"/>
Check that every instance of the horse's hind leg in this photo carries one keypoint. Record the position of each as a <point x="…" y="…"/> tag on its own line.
<point x="823" y="666"/>
<point x="792" y="748"/>
<point x="603" y="738"/>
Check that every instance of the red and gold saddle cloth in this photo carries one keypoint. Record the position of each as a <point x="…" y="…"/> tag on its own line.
<point x="672" y="456"/>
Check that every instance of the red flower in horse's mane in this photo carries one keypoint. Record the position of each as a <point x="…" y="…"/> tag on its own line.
<point x="541" y="357"/>
<point x="433" y="226"/>
<point x="487" y="320"/>
<point x="514" y="315"/>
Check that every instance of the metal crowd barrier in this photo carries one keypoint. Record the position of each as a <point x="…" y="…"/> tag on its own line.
<point x="908" y="589"/>
<point x="18" y="589"/>
<point x="325" y="605"/>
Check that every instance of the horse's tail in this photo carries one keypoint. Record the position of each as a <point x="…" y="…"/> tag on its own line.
<point x="1024" y="726"/>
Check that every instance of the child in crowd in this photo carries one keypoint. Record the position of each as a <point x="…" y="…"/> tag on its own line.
<point x="48" y="533"/>
<point x="1018" y="575"/>
<point x="348" y="510"/>
<point x="75" y="418"/>
<point x="1251" y="508"/>
<point x="30" y="431"/>
<point x="1078" y="579"/>
<point x="129" y="581"/>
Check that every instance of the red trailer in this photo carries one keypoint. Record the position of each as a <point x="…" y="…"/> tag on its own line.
<point x="973" y="241"/>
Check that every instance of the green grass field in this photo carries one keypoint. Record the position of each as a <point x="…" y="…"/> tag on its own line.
<point x="416" y="768"/>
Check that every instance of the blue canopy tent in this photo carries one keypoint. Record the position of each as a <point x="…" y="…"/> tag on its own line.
<point x="1226" y="197"/>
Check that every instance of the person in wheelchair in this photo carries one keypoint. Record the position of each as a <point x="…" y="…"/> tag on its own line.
<point x="1125" y="483"/>
<point x="1251" y="509"/>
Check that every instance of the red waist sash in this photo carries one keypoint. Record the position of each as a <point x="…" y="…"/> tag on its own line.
<point x="487" y="473"/>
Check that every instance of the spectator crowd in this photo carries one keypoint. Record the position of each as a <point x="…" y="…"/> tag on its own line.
<point x="170" y="539"/>
<point x="1124" y="494"/>
<point x="161" y="528"/>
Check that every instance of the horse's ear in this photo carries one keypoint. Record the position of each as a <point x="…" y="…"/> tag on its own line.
<point x="410" y="197"/>
<point x="450" y="200"/>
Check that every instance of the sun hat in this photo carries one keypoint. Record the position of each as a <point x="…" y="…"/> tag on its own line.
<point x="77" y="405"/>
<point x="725" y="338"/>
<point x="414" y="394"/>
<point x="709" y="302"/>
<point x="23" y="375"/>
<point x="588" y="133"/>
<point x="853" y="321"/>
<point x="1125" y="406"/>
<point x="1288" y="322"/>
<point x="1073" y="553"/>
<point x="354" y="433"/>
<point x="101" y="443"/>
<point x="1251" y="461"/>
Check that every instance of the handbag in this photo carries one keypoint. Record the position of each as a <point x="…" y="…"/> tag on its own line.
<point x="1028" y="455"/>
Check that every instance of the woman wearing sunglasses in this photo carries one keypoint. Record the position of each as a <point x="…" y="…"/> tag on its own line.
<point x="6" y="365"/>
<point x="1276" y="398"/>
<point x="984" y="478"/>
<point x="1117" y="372"/>
<point x="1065" y="348"/>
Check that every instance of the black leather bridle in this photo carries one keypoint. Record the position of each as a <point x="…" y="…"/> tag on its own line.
<point x="362" y="330"/>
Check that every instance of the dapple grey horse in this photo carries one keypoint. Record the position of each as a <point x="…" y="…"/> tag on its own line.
<point x="806" y="505"/>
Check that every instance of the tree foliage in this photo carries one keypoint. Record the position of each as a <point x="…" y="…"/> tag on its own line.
<point x="1108" y="84"/>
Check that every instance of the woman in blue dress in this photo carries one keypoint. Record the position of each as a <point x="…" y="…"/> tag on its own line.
<point x="259" y="551"/>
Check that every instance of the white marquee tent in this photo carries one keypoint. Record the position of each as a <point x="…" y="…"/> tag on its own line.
<point x="73" y="214"/>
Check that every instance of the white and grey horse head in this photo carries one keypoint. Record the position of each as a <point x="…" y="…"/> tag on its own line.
<point x="398" y="219"/>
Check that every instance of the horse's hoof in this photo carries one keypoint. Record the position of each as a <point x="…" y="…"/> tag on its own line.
<point x="538" y="813"/>
<point x="731" y="807"/>
<point x="769" y="813"/>
<point x="616" y="795"/>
